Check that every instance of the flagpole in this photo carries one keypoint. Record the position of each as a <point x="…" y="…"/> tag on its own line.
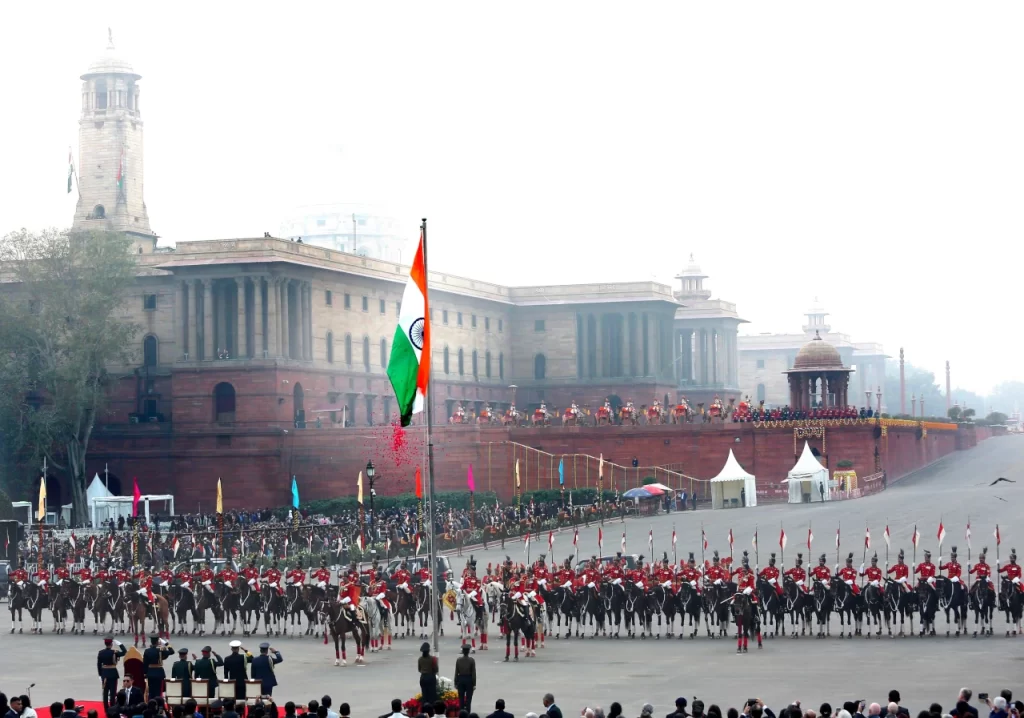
<point x="757" y="550"/>
<point x="887" y="545"/>
<point x="839" y="526"/>
<point x="651" y="534"/>
<point x="782" y="547"/>
<point x="432" y="552"/>
<point x="915" y="547"/>
<point x="674" y="557"/>
<point x="702" y="559"/>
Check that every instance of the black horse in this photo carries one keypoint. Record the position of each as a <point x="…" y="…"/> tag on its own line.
<point x="873" y="600"/>
<point x="847" y="605"/>
<point x="716" y="607"/>
<point x="591" y="605"/>
<point x="898" y="602"/>
<point x="798" y="604"/>
<point x="746" y="617"/>
<point x="770" y="603"/>
<point x="516" y="619"/>
<point x="663" y="603"/>
<point x="1011" y="602"/>
<point x="821" y="594"/>
<point x="613" y="597"/>
<point x="952" y="597"/>
<point x="928" y="604"/>
<point x="688" y="604"/>
<point x="567" y="607"/>
<point x="982" y="600"/>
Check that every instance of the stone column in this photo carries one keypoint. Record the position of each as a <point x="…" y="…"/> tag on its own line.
<point x="286" y="339"/>
<point x="257" y="322"/>
<point x="241" y="348"/>
<point x="601" y="362"/>
<point x="208" y="348"/>
<point x="191" y="288"/>
<point x="273" y="318"/>
<point x="182" y="318"/>
<point x="300" y="318"/>
<point x="623" y="344"/>
<point x="309" y="320"/>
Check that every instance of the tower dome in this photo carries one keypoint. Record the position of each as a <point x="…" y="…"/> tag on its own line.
<point x="818" y="354"/>
<point x="692" y="282"/>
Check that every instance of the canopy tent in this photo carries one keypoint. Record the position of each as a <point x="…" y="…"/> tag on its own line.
<point x="808" y="480"/>
<point x="97" y="490"/>
<point x="733" y="485"/>
<point x="122" y="505"/>
<point x="51" y="516"/>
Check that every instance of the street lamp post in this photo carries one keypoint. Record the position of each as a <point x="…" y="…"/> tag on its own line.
<point x="371" y="473"/>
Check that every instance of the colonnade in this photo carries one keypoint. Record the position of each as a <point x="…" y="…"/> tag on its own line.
<point x="624" y="344"/>
<point x="708" y="356"/>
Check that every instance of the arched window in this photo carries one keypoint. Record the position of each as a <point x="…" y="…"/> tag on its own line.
<point x="540" y="366"/>
<point x="501" y="365"/>
<point x="366" y="353"/>
<point x="445" y="361"/>
<point x="348" y="349"/>
<point x="98" y="212"/>
<point x="330" y="347"/>
<point x="476" y="373"/>
<point x="462" y="366"/>
<point x="224" y="402"/>
<point x="760" y="392"/>
<point x="150" y="356"/>
<point x="487" y="364"/>
<point x="383" y="353"/>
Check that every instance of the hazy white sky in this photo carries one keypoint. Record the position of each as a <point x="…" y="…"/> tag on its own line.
<point x="866" y="153"/>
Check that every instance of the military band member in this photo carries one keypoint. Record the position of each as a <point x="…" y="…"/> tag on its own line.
<point x="106" y="667"/>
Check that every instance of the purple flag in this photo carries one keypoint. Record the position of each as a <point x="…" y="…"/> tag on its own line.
<point x="469" y="480"/>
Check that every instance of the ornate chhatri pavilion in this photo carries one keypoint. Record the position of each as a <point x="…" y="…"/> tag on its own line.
<point x="818" y="378"/>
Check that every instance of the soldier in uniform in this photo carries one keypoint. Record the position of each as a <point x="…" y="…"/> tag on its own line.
<point x="273" y="576"/>
<point x="205" y="668"/>
<point x="716" y="574"/>
<point x="745" y="580"/>
<point x="1012" y="570"/>
<point x="927" y="570"/>
<point x="690" y="574"/>
<point x="296" y="577"/>
<point x="902" y="572"/>
<point x="251" y="574"/>
<point x="181" y="670"/>
<point x="106" y="666"/>
<point x="234" y="667"/>
<point x="770" y="573"/>
<point x="205" y="576"/>
<point x="952" y="567"/>
<point x="402" y="577"/>
<point x="61" y="573"/>
<point x="849" y="575"/>
<point x="153" y="663"/>
<point x="164" y="577"/>
<point x="263" y="668"/>
<point x="821" y="572"/>
<point x="981" y="569"/>
<point x="873" y="573"/>
<point x="664" y="575"/>
<point x="322" y="576"/>
<point x="797" y="573"/>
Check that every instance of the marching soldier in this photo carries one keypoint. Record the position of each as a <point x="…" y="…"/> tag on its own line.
<point x="153" y="661"/>
<point x="182" y="670"/>
<point x="263" y="668"/>
<point x="902" y="572"/>
<point x="106" y="666"/>
<point x="205" y="668"/>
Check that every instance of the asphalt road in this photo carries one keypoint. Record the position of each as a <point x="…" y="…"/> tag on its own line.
<point x="591" y="672"/>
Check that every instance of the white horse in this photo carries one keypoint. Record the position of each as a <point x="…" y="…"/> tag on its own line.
<point x="492" y="596"/>
<point x="374" y="622"/>
<point x="470" y="621"/>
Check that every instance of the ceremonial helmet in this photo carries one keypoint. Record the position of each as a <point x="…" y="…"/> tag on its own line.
<point x="664" y="557"/>
<point x="276" y="562"/>
<point x="714" y="557"/>
<point x="799" y="559"/>
<point x="901" y="555"/>
<point x="983" y="552"/>
<point x="541" y="558"/>
<point x="849" y="559"/>
<point x="691" y="560"/>
<point x="746" y="559"/>
<point x="822" y="559"/>
<point x="639" y="559"/>
<point x="927" y="554"/>
<point x="952" y="554"/>
<point x="1013" y="555"/>
<point x="771" y="559"/>
<point x="874" y="558"/>
<point x="323" y="561"/>
<point x="298" y="564"/>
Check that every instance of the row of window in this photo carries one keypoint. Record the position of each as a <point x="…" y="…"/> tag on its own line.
<point x="474" y="359"/>
<point x="366" y="351"/>
<point x="382" y="303"/>
<point x="472" y="320"/>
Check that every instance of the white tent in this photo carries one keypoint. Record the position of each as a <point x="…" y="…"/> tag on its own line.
<point x="122" y="505"/>
<point x="732" y="486"/>
<point x="808" y="480"/>
<point x="99" y="512"/>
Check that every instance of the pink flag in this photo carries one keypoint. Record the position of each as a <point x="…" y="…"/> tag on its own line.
<point x="136" y="496"/>
<point x="469" y="480"/>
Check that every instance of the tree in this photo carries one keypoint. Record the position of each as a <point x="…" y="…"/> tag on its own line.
<point x="968" y="414"/>
<point x="60" y="331"/>
<point x="954" y="413"/>
<point x="996" y="417"/>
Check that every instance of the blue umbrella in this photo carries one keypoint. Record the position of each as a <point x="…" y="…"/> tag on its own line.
<point x="638" y="493"/>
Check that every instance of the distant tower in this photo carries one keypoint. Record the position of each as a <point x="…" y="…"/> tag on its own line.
<point x="903" y="386"/>
<point x="816" y="319"/>
<point x="692" y="282"/>
<point x="110" y="153"/>
<point x="947" y="386"/>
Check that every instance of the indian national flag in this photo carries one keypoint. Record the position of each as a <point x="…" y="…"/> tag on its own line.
<point x="407" y="373"/>
<point x="71" y="170"/>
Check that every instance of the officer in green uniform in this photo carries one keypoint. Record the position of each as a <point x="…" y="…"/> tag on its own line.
<point x="205" y="668"/>
<point x="182" y="671"/>
<point x="153" y="664"/>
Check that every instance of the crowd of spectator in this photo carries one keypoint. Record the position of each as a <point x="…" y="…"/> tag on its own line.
<point x="743" y="414"/>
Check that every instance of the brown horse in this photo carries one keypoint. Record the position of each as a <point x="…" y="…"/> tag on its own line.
<point x="138" y="611"/>
<point x="340" y="625"/>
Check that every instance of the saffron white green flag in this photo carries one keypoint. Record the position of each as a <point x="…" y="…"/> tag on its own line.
<point x="407" y="373"/>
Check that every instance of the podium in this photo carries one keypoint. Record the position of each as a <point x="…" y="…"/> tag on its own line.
<point x="133" y="667"/>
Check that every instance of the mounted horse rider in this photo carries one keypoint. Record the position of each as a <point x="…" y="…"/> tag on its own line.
<point x="61" y="572"/>
<point x="1013" y="570"/>
<point x="251" y="574"/>
<point x="614" y="573"/>
<point x="952" y="568"/>
<point x="296" y="577"/>
<point x="378" y="590"/>
<point x="689" y="573"/>
<point x="821" y="572"/>
<point x="19" y="576"/>
<point x="927" y="569"/>
<point x="84" y="575"/>
<point x="982" y="570"/>
<point x="145" y="578"/>
<point x="402" y="577"/>
<point x="371" y="572"/>
<point x="716" y="574"/>
<point x="349" y="590"/>
<point x="272" y="576"/>
<point x="664" y="575"/>
<point x="848" y="575"/>
<point x="164" y="577"/>
<point x="902" y="572"/>
<point x="205" y="577"/>
<point x="770" y="573"/>
<point x="874" y="574"/>
<point x="228" y="577"/>
<point x="472" y="587"/>
<point x="745" y="579"/>
<point x="322" y="580"/>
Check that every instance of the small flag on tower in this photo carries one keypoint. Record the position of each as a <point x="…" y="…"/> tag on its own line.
<point x="600" y="540"/>
<point x="650" y="539"/>
<point x="704" y="538"/>
<point x="622" y="544"/>
<point x="837" y="537"/>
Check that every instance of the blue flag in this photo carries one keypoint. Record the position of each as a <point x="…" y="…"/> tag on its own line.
<point x="561" y="472"/>
<point x="295" y="493"/>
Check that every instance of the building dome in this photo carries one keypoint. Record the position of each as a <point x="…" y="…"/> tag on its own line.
<point x="818" y="354"/>
<point x="110" y="64"/>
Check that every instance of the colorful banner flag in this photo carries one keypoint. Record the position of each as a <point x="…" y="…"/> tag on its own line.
<point x="915" y="538"/>
<point x="561" y="472"/>
<point x="837" y="537"/>
<point x="704" y="538"/>
<point x="220" y="497"/>
<point x="867" y="537"/>
<point x="942" y="532"/>
<point x="810" y="538"/>
<point x="408" y="374"/>
<point x="551" y="543"/>
<point x="92" y="545"/>
<point x="73" y="541"/>
<point x="41" y="514"/>
<point x="295" y="494"/>
<point x="753" y="541"/>
<point x="419" y="484"/>
<point x="999" y="539"/>
<point x="470" y="483"/>
<point x="650" y="539"/>
<point x="673" y="539"/>
<point x="600" y="541"/>
<point x="885" y="535"/>
<point x="359" y="489"/>
<point x="967" y="534"/>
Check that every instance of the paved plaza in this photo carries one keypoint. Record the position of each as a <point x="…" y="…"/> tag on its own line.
<point x="597" y="671"/>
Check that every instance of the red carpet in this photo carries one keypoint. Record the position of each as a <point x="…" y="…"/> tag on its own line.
<point x="43" y="711"/>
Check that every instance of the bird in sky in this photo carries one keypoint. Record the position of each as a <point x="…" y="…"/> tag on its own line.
<point x="1002" y="478"/>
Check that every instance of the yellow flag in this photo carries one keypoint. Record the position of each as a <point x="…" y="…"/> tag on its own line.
<point x="220" y="498"/>
<point x="42" y="500"/>
<point x="359" y="484"/>
<point x="600" y="466"/>
<point x="517" y="473"/>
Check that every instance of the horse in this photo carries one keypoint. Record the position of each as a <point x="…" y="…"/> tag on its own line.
<point x="898" y="601"/>
<point x="567" y="606"/>
<point x="689" y="606"/>
<point x="374" y="621"/>
<point x="716" y="605"/>
<point x="405" y="609"/>
<point x="472" y="621"/>
<point x="822" y="598"/>
<point x="59" y="608"/>
<point x="249" y="602"/>
<point x="272" y="608"/>
<point x="78" y="598"/>
<point x="208" y="600"/>
<point x="17" y="602"/>
<point x="615" y="601"/>
<point x="138" y="611"/>
<point x="798" y="605"/>
<point x="770" y="603"/>
<point x="1011" y="602"/>
<point x="952" y="597"/>
<point x="182" y="602"/>
<point x="516" y="619"/>
<point x="341" y="624"/>
<point x="294" y="606"/>
<point x="746" y="618"/>
<point x="38" y="599"/>
<point x="423" y="595"/>
<point x="109" y="600"/>
<point x="928" y="603"/>
<point x="662" y="602"/>
<point x="983" y="603"/>
<point x="873" y="600"/>
<point x="845" y="604"/>
<point x="591" y="606"/>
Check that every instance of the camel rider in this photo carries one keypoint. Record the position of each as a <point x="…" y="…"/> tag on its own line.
<point x="745" y="580"/>
<point x="770" y="573"/>
<point x="205" y="576"/>
<point x="251" y="574"/>
<point x="821" y="572"/>
<point x="656" y="406"/>
<point x="873" y="573"/>
<point x="1013" y="570"/>
<point x="629" y="406"/>
<point x="952" y="567"/>
<point x="574" y="410"/>
<point x="849" y="575"/>
<point x="460" y="412"/>
<point x="512" y="410"/>
<point x="927" y="569"/>
<point x="402" y="577"/>
<point x="902" y="571"/>
<point x="607" y="405"/>
<point x="798" y="574"/>
<point x="981" y="569"/>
